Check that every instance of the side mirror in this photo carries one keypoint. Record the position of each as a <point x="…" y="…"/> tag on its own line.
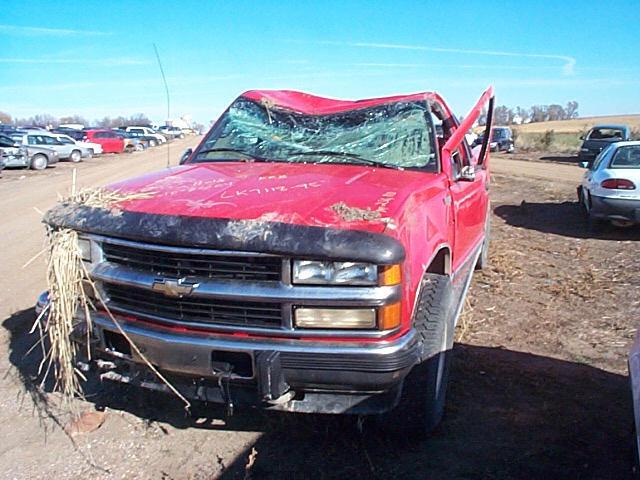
<point x="584" y="164"/>
<point x="468" y="173"/>
<point x="185" y="156"/>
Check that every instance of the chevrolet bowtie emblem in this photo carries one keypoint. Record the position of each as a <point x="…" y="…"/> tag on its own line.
<point x="178" y="287"/>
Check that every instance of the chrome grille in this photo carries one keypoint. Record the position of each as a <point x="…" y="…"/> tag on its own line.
<point x="193" y="309"/>
<point x="174" y="263"/>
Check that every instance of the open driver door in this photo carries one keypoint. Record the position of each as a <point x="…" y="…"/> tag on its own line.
<point x="468" y="175"/>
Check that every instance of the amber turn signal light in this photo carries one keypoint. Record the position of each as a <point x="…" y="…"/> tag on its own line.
<point x="390" y="275"/>
<point x="389" y="316"/>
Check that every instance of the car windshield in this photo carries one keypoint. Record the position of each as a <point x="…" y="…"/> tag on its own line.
<point x="606" y="134"/>
<point x="626" y="157"/>
<point x="396" y="135"/>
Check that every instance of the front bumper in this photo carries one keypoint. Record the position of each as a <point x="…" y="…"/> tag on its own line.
<point x="626" y="209"/>
<point x="291" y="375"/>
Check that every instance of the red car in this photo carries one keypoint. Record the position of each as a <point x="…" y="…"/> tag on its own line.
<point x="111" y="143"/>
<point x="310" y="255"/>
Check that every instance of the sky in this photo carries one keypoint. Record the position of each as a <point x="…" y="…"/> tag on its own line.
<point x="97" y="59"/>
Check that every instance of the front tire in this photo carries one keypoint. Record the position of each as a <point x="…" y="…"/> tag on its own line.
<point x="424" y="390"/>
<point x="152" y="143"/>
<point x="483" y="258"/>
<point x="39" y="162"/>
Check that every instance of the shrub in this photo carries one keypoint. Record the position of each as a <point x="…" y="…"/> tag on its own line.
<point x="547" y="140"/>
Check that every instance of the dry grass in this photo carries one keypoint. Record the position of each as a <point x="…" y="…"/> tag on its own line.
<point x="70" y="292"/>
<point x="65" y="275"/>
<point x="103" y="198"/>
<point x="578" y="124"/>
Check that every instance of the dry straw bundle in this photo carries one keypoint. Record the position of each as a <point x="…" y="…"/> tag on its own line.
<point x="70" y="291"/>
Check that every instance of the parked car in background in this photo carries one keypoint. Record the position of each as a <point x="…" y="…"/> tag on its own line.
<point x="501" y="140"/>
<point x="66" y="151"/>
<point x="131" y="142"/>
<point x="172" y="132"/>
<point x="17" y="155"/>
<point x="94" y="148"/>
<point x="110" y="141"/>
<point x="71" y="132"/>
<point x="610" y="189"/>
<point x="145" y="141"/>
<point x="599" y="137"/>
<point x="147" y="131"/>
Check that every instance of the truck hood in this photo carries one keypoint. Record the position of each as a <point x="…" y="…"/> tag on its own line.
<point x="340" y="196"/>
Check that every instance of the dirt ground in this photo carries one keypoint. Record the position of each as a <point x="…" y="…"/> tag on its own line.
<point x="538" y="388"/>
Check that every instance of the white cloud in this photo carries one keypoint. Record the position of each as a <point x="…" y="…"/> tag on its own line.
<point x="567" y="68"/>
<point x="107" y="62"/>
<point x="42" y="31"/>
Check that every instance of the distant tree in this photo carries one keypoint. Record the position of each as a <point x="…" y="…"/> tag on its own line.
<point x="523" y="114"/>
<point x="572" y="109"/>
<point x="538" y="113"/>
<point x="104" y="123"/>
<point x="501" y="115"/>
<point x="5" y="118"/>
<point x="482" y="118"/>
<point x="74" y="119"/>
<point x="556" y="112"/>
<point x="139" y="119"/>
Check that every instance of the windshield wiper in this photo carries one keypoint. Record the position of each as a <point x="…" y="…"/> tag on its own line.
<point x="228" y="150"/>
<point x="352" y="156"/>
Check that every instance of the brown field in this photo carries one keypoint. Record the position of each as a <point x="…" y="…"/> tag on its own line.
<point x="538" y="390"/>
<point x="579" y="124"/>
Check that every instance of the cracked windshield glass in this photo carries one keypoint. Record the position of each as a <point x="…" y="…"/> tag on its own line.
<point x="396" y="135"/>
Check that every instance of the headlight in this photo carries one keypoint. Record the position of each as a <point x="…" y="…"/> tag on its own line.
<point x="84" y="245"/>
<point x="335" y="318"/>
<point x="313" y="272"/>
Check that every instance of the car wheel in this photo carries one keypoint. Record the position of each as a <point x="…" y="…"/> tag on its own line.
<point x="594" y="224"/>
<point x="75" y="156"/>
<point x="152" y="143"/>
<point x="129" y="148"/>
<point x="422" y="400"/>
<point x="511" y="148"/>
<point x="39" y="162"/>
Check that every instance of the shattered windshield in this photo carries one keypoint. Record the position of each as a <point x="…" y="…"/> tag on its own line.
<point x="394" y="135"/>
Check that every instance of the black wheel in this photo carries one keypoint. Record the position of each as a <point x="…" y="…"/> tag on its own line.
<point x="421" y="405"/>
<point x="39" y="162"/>
<point x="594" y="224"/>
<point x="129" y="148"/>
<point x="483" y="259"/>
<point x="76" y="156"/>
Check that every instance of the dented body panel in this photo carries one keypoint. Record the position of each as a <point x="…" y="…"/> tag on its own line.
<point x="310" y="200"/>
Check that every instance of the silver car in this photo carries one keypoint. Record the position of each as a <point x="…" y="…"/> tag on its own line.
<point x="16" y="155"/>
<point x="66" y="151"/>
<point x="610" y="189"/>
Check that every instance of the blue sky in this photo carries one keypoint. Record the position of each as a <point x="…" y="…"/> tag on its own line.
<point x="96" y="58"/>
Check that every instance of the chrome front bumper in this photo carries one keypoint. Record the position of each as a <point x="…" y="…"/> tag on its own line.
<point x="293" y="375"/>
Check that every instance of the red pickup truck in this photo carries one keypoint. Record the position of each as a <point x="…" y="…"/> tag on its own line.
<point x="309" y="255"/>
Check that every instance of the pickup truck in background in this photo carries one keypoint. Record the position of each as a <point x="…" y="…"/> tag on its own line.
<point x="310" y="255"/>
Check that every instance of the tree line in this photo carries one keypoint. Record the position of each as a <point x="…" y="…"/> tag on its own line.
<point x="503" y="115"/>
<point x="46" y="120"/>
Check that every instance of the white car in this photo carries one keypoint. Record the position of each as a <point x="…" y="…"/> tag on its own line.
<point x="72" y="152"/>
<point x="610" y="189"/>
<point x="147" y="132"/>
<point x="95" y="148"/>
